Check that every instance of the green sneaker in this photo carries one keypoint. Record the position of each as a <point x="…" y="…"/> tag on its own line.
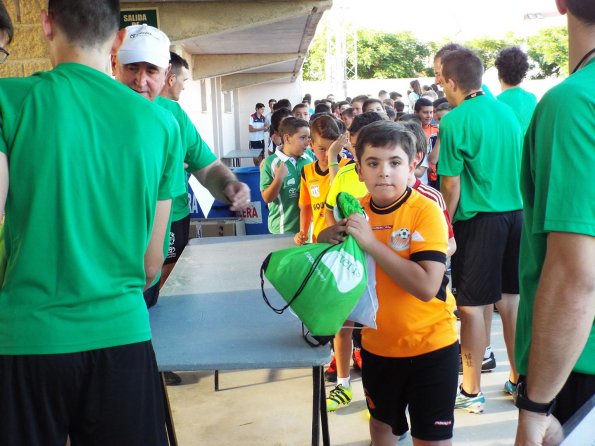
<point x="338" y="397"/>
<point x="472" y="404"/>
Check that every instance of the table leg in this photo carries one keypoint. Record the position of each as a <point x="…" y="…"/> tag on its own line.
<point x="316" y="402"/>
<point x="326" y="440"/>
<point x="216" y="380"/>
<point x="169" y="421"/>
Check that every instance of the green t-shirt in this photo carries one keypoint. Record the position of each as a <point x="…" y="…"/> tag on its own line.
<point x="558" y="159"/>
<point x="89" y="159"/>
<point x="480" y="141"/>
<point x="198" y="154"/>
<point x="284" y="211"/>
<point x="522" y="103"/>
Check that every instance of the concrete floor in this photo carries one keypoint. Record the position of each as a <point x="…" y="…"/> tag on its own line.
<point x="273" y="408"/>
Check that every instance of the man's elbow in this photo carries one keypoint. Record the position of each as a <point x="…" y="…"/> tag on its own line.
<point x="152" y="270"/>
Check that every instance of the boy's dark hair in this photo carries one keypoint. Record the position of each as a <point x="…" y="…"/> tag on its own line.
<point x="421" y="143"/>
<point x="86" y="22"/>
<point x="272" y="100"/>
<point x="372" y="101"/>
<point x="442" y="106"/>
<point x="318" y="115"/>
<point x="399" y="106"/>
<point x="277" y="117"/>
<point x="348" y="112"/>
<point x="341" y="104"/>
<point x="512" y="64"/>
<point x="390" y="112"/>
<point x="300" y="105"/>
<point x="381" y="92"/>
<point x="177" y="63"/>
<point x="422" y="102"/>
<point x="439" y="101"/>
<point x="394" y="95"/>
<point x="362" y="120"/>
<point x="464" y="67"/>
<point x="6" y="22"/>
<point x="322" y="108"/>
<point x="447" y="49"/>
<point x="282" y="103"/>
<point x="308" y="97"/>
<point x="361" y="98"/>
<point x="258" y="105"/>
<point x="410" y="117"/>
<point x="291" y="125"/>
<point x="583" y="10"/>
<point x="385" y="134"/>
<point x="400" y="115"/>
<point x="325" y="126"/>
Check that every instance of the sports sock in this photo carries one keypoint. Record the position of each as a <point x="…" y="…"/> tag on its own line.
<point x="345" y="382"/>
<point x="488" y="352"/>
<point x="468" y="395"/>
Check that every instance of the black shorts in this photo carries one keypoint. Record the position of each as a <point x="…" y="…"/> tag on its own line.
<point x="257" y="144"/>
<point x="426" y="383"/>
<point x="109" y="396"/>
<point x="486" y="263"/>
<point x="178" y="239"/>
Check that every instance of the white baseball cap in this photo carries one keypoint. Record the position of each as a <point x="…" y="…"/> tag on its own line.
<point x="144" y="43"/>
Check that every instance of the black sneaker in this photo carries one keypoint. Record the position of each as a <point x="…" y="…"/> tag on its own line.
<point x="172" y="379"/>
<point x="487" y="365"/>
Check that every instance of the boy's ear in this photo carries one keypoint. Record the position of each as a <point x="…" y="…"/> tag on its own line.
<point x="358" y="168"/>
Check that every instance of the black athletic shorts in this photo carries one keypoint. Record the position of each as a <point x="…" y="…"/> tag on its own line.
<point x="426" y="383"/>
<point x="110" y="396"/>
<point x="178" y="239"/>
<point x="486" y="263"/>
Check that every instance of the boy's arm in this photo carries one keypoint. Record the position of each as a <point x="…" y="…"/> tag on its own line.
<point x="434" y="155"/>
<point x="271" y="192"/>
<point x="305" y="220"/>
<point x="329" y="217"/>
<point x="421" y="279"/>
<point x="154" y="252"/>
<point x="451" y="191"/>
<point x="3" y="182"/>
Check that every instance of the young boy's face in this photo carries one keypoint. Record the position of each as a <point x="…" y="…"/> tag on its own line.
<point x="426" y="114"/>
<point x="320" y="146"/>
<point x="302" y="113"/>
<point x="385" y="171"/>
<point x="296" y="144"/>
<point x="375" y="107"/>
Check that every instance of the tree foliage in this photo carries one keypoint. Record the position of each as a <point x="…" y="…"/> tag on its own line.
<point x="383" y="55"/>
<point x="548" y="49"/>
<point x="390" y="56"/>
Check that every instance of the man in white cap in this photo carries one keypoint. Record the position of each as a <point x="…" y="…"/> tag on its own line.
<point x="142" y="64"/>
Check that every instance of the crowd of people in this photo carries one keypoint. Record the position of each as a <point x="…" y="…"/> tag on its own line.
<point x="495" y="186"/>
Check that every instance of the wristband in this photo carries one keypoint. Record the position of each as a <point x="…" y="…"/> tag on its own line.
<point x="523" y="402"/>
<point x="334" y="163"/>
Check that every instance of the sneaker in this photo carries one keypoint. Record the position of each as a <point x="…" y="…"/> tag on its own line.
<point x="470" y="404"/>
<point x="357" y="358"/>
<point x="338" y="397"/>
<point x="330" y="374"/>
<point x="172" y="379"/>
<point x="509" y="388"/>
<point x="487" y="365"/>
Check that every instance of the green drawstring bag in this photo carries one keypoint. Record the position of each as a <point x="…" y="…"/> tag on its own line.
<point x="321" y="282"/>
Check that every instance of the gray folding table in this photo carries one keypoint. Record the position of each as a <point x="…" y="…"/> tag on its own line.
<point x="233" y="158"/>
<point x="211" y="316"/>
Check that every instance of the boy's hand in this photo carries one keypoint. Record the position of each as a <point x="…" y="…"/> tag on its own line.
<point x="300" y="238"/>
<point x="333" y="234"/>
<point x="360" y="229"/>
<point x="335" y="147"/>
<point x="281" y="171"/>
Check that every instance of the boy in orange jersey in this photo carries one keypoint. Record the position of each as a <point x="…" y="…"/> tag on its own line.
<point x="411" y="360"/>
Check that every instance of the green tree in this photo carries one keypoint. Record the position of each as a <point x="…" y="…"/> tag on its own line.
<point x="314" y="68"/>
<point x="389" y="56"/>
<point x="549" y="51"/>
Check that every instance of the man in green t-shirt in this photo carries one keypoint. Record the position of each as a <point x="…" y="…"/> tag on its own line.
<point x="555" y="343"/>
<point x="142" y="64"/>
<point x="89" y="196"/>
<point x="512" y="64"/>
<point x="479" y="165"/>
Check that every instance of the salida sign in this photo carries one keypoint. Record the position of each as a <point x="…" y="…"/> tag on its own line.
<point x="130" y="17"/>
